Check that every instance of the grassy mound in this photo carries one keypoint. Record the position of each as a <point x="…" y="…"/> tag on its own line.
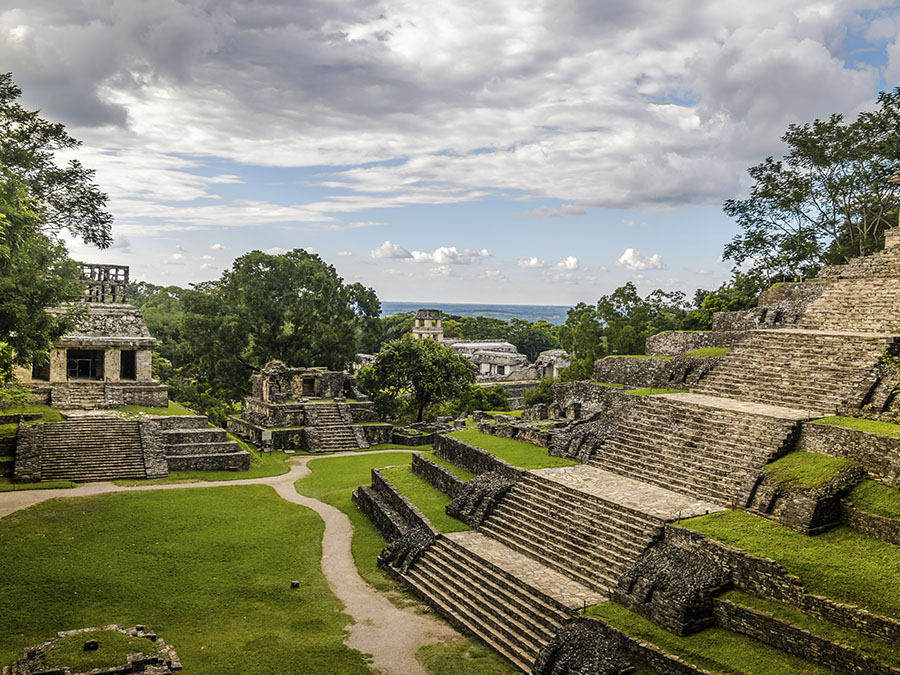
<point x="872" y="426"/>
<point x="708" y="352"/>
<point x="113" y="650"/>
<point x="518" y="453"/>
<point x="806" y="470"/>
<point x="714" y="649"/>
<point x="874" y="497"/>
<point x="209" y="569"/>
<point x="842" y="564"/>
<point x="427" y="498"/>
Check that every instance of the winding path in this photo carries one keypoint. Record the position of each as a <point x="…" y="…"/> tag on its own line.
<point x="390" y="634"/>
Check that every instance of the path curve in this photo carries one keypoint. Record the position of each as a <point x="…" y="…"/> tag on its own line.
<point x="390" y="634"/>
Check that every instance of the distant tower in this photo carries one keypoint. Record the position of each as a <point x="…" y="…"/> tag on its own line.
<point x="428" y="325"/>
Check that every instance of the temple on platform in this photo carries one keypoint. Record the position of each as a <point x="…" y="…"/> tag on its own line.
<point x="105" y="362"/>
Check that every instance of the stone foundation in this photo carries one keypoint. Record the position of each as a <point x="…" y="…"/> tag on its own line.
<point x="673" y="343"/>
<point x="878" y="455"/>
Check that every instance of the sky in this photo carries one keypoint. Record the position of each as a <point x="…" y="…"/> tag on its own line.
<point x="531" y="152"/>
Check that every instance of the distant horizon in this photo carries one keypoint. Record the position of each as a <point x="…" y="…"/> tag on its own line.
<point x="555" y="314"/>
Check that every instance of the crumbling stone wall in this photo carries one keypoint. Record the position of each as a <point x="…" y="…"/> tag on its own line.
<point x="443" y="479"/>
<point x="627" y="370"/>
<point x="472" y="459"/>
<point x="878" y="455"/>
<point x="479" y="496"/>
<point x="673" y="343"/>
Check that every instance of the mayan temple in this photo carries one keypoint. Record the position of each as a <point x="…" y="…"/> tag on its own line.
<point x="547" y="543"/>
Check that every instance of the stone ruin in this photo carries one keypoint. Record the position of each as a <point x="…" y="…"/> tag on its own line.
<point x="309" y="409"/>
<point x="105" y="361"/>
<point x="157" y="658"/>
<point x="548" y="542"/>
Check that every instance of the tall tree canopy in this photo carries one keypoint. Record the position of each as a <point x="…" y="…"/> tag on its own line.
<point x="38" y="199"/>
<point x="292" y="307"/>
<point x="827" y="200"/>
<point x="424" y="370"/>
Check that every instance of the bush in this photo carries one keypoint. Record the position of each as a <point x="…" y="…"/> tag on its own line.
<point x="543" y="393"/>
<point x="480" y="398"/>
<point x="15" y="397"/>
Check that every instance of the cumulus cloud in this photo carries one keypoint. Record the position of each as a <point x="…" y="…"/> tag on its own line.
<point x="653" y="103"/>
<point x="451" y="255"/>
<point x="344" y="254"/>
<point x="389" y="250"/>
<point x="569" y="263"/>
<point x="442" y="271"/>
<point x="531" y="262"/>
<point x="217" y="247"/>
<point x="633" y="260"/>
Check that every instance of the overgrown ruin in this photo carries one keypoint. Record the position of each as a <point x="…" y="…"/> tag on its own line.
<point x="559" y="539"/>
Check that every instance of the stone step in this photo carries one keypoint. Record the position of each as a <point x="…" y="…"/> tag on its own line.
<point x="215" y="448"/>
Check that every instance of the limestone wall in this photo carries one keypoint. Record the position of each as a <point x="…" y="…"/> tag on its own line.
<point x="443" y="479"/>
<point x="472" y="459"/>
<point x="878" y="455"/>
<point x="629" y="370"/>
<point x="673" y="343"/>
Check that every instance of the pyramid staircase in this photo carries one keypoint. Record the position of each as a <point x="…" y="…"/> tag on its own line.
<point x="334" y="433"/>
<point x="697" y="445"/>
<point x="511" y="616"/>
<point x="587" y="538"/>
<point x="92" y="449"/>
<point x="192" y="435"/>
<point x="818" y="371"/>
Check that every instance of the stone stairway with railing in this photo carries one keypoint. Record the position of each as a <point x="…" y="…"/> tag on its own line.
<point x="817" y="371"/>
<point x="511" y="616"/>
<point x="92" y="449"/>
<point x="589" y="539"/>
<point x="333" y="431"/>
<point x="698" y="445"/>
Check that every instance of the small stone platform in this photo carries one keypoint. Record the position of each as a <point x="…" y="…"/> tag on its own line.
<point x="561" y="588"/>
<point x="646" y="498"/>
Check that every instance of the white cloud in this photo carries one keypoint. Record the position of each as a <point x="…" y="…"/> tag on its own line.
<point x="442" y="271"/>
<point x="275" y="250"/>
<point x="217" y="247"/>
<point x="530" y="262"/>
<point x="389" y="250"/>
<point x="633" y="260"/>
<point x="451" y="255"/>
<point x="569" y="263"/>
<point x="561" y="212"/>
<point x="344" y="254"/>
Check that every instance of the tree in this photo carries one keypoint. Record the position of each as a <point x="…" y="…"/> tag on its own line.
<point x="292" y="307"/>
<point x="582" y="337"/>
<point x="740" y="293"/>
<point x="480" y="398"/>
<point x="532" y="338"/>
<point x="543" y="393"/>
<point x="827" y="200"/>
<point x="38" y="199"/>
<point x="424" y="370"/>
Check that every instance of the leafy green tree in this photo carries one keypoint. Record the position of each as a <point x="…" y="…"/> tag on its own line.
<point x="827" y="200"/>
<point x="532" y="338"/>
<point x="582" y="336"/>
<point x="480" y="398"/>
<point x="423" y="370"/>
<point x="482" y="328"/>
<point x="38" y="199"/>
<point x="741" y="292"/>
<point x="292" y="307"/>
<point x="543" y="393"/>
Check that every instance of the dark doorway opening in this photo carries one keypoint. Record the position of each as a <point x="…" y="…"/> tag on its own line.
<point x="84" y="364"/>
<point x="128" y="365"/>
<point x="309" y="386"/>
<point x="40" y="371"/>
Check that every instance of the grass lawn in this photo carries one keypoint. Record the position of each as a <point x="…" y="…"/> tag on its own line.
<point x="878" y="649"/>
<point x="208" y="569"/>
<point x="331" y="481"/>
<point x="508" y="413"/>
<point x="113" y="650"/>
<point x="138" y="410"/>
<point x="653" y="392"/>
<point x="456" y="470"/>
<point x="714" y="649"/>
<point x="50" y="414"/>
<point x="708" y="352"/>
<point x="875" y="497"/>
<point x="807" y="470"/>
<point x="842" y="564"/>
<point x="872" y="426"/>
<point x="427" y="498"/>
<point x="394" y="446"/>
<point x="6" y="485"/>
<point x="518" y="453"/>
<point x="612" y="385"/>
